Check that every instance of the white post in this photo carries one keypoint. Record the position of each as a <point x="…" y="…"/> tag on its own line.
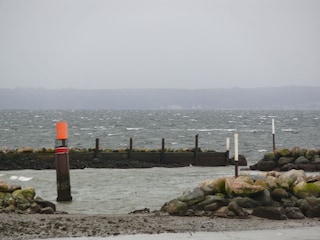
<point x="273" y="130"/>
<point x="273" y="135"/>
<point x="228" y="144"/>
<point x="236" y="154"/>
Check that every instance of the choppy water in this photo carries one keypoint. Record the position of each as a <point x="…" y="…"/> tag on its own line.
<point x="122" y="191"/>
<point x="32" y="128"/>
<point x="116" y="190"/>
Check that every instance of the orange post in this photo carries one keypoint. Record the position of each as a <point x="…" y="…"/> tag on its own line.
<point x="62" y="162"/>
<point x="62" y="130"/>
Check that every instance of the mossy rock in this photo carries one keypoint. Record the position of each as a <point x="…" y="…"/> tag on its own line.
<point x="271" y="182"/>
<point x="269" y="156"/>
<point x="27" y="193"/>
<point x="310" y="154"/>
<point x="242" y="186"/>
<point x="279" y="193"/>
<point x="302" y="160"/>
<point x="261" y="182"/>
<point x="296" y="152"/>
<point x="285" y="152"/>
<point x="285" y="160"/>
<point x="217" y="198"/>
<point x="304" y="189"/>
<point x="212" y="186"/>
<point x="176" y="207"/>
<point x="191" y="198"/>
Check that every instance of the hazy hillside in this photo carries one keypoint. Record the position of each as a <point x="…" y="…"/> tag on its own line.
<point x="235" y="98"/>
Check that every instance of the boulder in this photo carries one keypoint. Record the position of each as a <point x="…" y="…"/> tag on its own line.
<point x="274" y="213"/>
<point x="3" y="186"/>
<point x="293" y="177"/>
<point x="27" y="193"/>
<point x="269" y="156"/>
<point x="175" y="207"/>
<point x="289" y="202"/>
<point x="264" y="198"/>
<point x="266" y="165"/>
<point x="294" y="213"/>
<point x="212" y="207"/>
<point x="224" y="212"/>
<point x="313" y="211"/>
<point x="47" y="210"/>
<point x="271" y="182"/>
<point x="288" y="167"/>
<point x="212" y="186"/>
<point x="285" y="160"/>
<point x="44" y="203"/>
<point x="302" y="160"/>
<point x="310" y="154"/>
<point x="246" y="202"/>
<point x="284" y="152"/>
<point x="219" y="199"/>
<point x="191" y="198"/>
<point x="279" y="193"/>
<point x="317" y="160"/>
<point x="23" y="201"/>
<point x="237" y="210"/>
<point x="242" y="186"/>
<point x="305" y="190"/>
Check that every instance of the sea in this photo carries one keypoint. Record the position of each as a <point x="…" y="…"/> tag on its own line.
<point x="118" y="191"/>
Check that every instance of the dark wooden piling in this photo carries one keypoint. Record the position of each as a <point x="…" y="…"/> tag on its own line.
<point x="130" y="148"/>
<point x="274" y="142"/>
<point x="196" y="149"/>
<point x="162" y="154"/>
<point x="63" y="175"/>
<point x="273" y="136"/>
<point x="96" y="150"/>
<point x="62" y="163"/>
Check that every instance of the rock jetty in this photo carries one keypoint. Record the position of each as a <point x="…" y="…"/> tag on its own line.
<point x="15" y="199"/>
<point x="271" y="195"/>
<point x="285" y="160"/>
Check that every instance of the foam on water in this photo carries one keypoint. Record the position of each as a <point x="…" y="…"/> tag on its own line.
<point x="115" y="128"/>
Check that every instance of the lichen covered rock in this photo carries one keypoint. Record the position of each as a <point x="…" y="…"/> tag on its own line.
<point x="272" y="195"/>
<point x="15" y="199"/>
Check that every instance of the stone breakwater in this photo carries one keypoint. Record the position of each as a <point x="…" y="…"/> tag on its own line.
<point x="285" y="160"/>
<point x="15" y="199"/>
<point x="271" y="195"/>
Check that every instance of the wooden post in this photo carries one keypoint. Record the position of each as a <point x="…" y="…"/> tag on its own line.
<point x="131" y="144"/>
<point x="227" y="150"/>
<point x="196" y="141"/>
<point x="273" y="136"/>
<point x="196" y="148"/>
<point x="236" y="154"/>
<point x="130" y="148"/>
<point x="62" y="163"/>
<point x="96" y="151"/>
<point x="162" y="156"/>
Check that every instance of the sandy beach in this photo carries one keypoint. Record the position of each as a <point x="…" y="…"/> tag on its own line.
<point x="16" y="226"/>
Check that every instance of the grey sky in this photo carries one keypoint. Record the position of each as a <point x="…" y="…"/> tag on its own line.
<point x="159" y="43"/>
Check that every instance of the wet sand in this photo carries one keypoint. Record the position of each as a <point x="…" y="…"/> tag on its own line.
<point x="15" y="226"/>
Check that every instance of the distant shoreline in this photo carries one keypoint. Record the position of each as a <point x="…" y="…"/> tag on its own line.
<point x="272" y="98"/>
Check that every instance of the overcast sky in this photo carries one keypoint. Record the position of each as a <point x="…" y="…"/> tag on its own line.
<point x="159" y="43"/>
